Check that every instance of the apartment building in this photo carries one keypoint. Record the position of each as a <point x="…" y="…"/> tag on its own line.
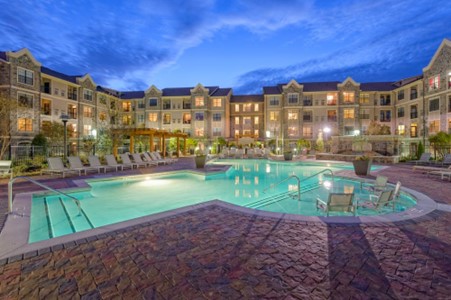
<point x="413" y="108"/>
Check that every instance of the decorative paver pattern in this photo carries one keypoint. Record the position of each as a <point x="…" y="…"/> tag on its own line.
<point x="217" y="253"/>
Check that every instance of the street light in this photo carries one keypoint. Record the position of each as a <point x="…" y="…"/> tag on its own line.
<point x="65" y="118"/>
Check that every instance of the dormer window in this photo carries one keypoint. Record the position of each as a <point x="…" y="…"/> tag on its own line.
<point x="293" y="98"/>
<point x="434" y="82"/>
<point x="348" y="97"/>
<point x="199" y="101"/>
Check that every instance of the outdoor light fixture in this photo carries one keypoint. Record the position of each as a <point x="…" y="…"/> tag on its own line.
<point x="268" y="134"/>
<point x="356" y="132"/>
<point x="65" y="118"/>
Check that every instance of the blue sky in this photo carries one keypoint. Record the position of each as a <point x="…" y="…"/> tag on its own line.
<point x="243" y="44"/>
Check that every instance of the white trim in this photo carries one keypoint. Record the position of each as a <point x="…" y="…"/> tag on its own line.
<point x="21" y="52"/>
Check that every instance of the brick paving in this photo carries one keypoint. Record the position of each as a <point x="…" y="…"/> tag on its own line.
<point x="217" y="253"/>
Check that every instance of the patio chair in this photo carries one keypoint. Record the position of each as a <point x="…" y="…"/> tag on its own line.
<point x="446" y="160"/>
<point x="151" y="157"/>
<point x="126" y="161"/>
<point x="76" y="165"/>
<point x="386" y="198"/>
<point x="337" y="202"/>
<point x="379" y="185"/>
<point x="169" y="159"/>
<point x="138" y="160"/>
<point x="424" y="159"/>
<point x="94" y="162"/>
<point x="112" y="162"/>
<point x="56" y="166"/>
<point x="5" y="168"/>
<point x="443" y="173"/>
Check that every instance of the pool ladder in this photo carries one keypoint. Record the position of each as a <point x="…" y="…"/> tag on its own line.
<point x="10" y="192"/>
<point x="299" y="181"/>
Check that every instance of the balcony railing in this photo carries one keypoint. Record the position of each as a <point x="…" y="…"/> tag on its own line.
<point x="413" y="115"/>
<point x="332" y="119"/>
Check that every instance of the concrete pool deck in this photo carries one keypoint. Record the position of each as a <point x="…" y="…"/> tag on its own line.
<point x="215" y="252"/>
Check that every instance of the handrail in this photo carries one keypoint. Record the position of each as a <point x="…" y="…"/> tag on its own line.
<point x="299" y="181"/>
<point x="283" y="180"/>
<point x="10" y="192"/>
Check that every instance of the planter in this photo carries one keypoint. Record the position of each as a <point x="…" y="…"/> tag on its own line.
<point x="200" y="161"/>
<point x="288" y="155"/>
<point x="362" y="167"/>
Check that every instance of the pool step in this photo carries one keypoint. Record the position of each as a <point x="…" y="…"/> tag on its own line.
<point x="283" y="196"/>
<point x="40" y="221"/>
<point x="64" y="217"/>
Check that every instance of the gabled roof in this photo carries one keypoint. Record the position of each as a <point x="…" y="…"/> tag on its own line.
<point x="108" y="91"/>
<point x="246" y="98"/>
<point x="132" y="95"/>
<point x="444" y="43"/>
<point x="59" y="75"/>
<point x="272" y="90"/>
<point x="24" y="51"/>
<point x="377" y="86"/>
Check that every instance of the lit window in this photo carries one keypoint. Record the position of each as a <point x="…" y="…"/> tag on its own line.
<point x="413" y="130"/>
<point x="348" y="97"/>
<point x="292" y="130"/>
<point x="166" y="119"/>
<point x="126" y="120"/>
<point x="256" y="107"/>
<point x="126" y="106"/>
<point x="237" y="107"/>
<point x="292" y="115"/>
<point x="186" y="118"/>
<point x="307" y="132"/>
<point x="331" y="115"/>
<point x="25" y="76"/>
<point x="87" y="129"/>
<point x="217" y="102"/>
<point x="199" y="132"/>
<point x="153" y="117"/>
<point x="434" y="82"/>
<point x="237" y="120"/>
<point x="72" y="111"/>
<point x="274" y="116"/>
<point x="256" y="133"/>
<point x="348" y="113"/>
<point x="24" y="124"/>
<point x="199" y="101"/>
<point x="401" y="129"/>
<point x="364" y="98"/>
<point x="237" y="132"/>
<point x="247" y="107"/>
<point x="434" y="127"/>
<point x="256" y="120"/>
<point x="331" y="99"/>
<point x="87" y="112"/>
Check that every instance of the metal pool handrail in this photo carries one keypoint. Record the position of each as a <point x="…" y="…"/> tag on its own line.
<point x="299" y="181"/>
<point x="10" y="192"/>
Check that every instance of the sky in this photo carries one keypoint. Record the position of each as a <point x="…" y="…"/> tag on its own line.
<point x="242" y="44"/>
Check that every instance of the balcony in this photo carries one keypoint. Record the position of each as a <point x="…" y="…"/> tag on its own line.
<point x="307" y="102"/>
<point x="46" y="111"/>
<point x="413" y="115"/>
<point x="72" y="115"/>
<point x="72" y="96"/>
<point x="332" y="119"/>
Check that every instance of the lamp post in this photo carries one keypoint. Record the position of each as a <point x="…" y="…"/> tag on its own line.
<point x="65" y="118"/>
<point x="326" y="133"/>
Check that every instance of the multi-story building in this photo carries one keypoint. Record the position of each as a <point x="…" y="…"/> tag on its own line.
<point x="412" y="108"/>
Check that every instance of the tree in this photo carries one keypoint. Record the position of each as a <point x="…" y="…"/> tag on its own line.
<point x="54" y="132"/>
<point x="7" y="105"/>
<point x="377" y="129"/>
<point x="441" y="142"/>
<point x="420" y="150"/>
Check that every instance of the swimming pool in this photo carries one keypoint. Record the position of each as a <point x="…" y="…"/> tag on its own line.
<point x="246" y="183"/>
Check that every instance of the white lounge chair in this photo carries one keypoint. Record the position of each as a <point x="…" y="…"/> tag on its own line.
<point x="127" y="161"/>
<point x="56" y="166"/>
<point x="169" y="159"/>
<point x="150" y="157"/>
<point x="5" y="168"/>
<point x="424" y="159"/>
<point x="443" y="173"/>
<point x="138" y="160"/>
<point x="94" y="162"/>
<point x="112" y="162"/>
<point x="337" y="202"/>
<point x="76" y="165"/>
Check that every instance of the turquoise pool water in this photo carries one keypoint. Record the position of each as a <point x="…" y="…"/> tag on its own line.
<point x="247" y="183"/>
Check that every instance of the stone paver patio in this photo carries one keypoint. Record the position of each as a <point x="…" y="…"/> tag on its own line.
<point x="218" y="253"/>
